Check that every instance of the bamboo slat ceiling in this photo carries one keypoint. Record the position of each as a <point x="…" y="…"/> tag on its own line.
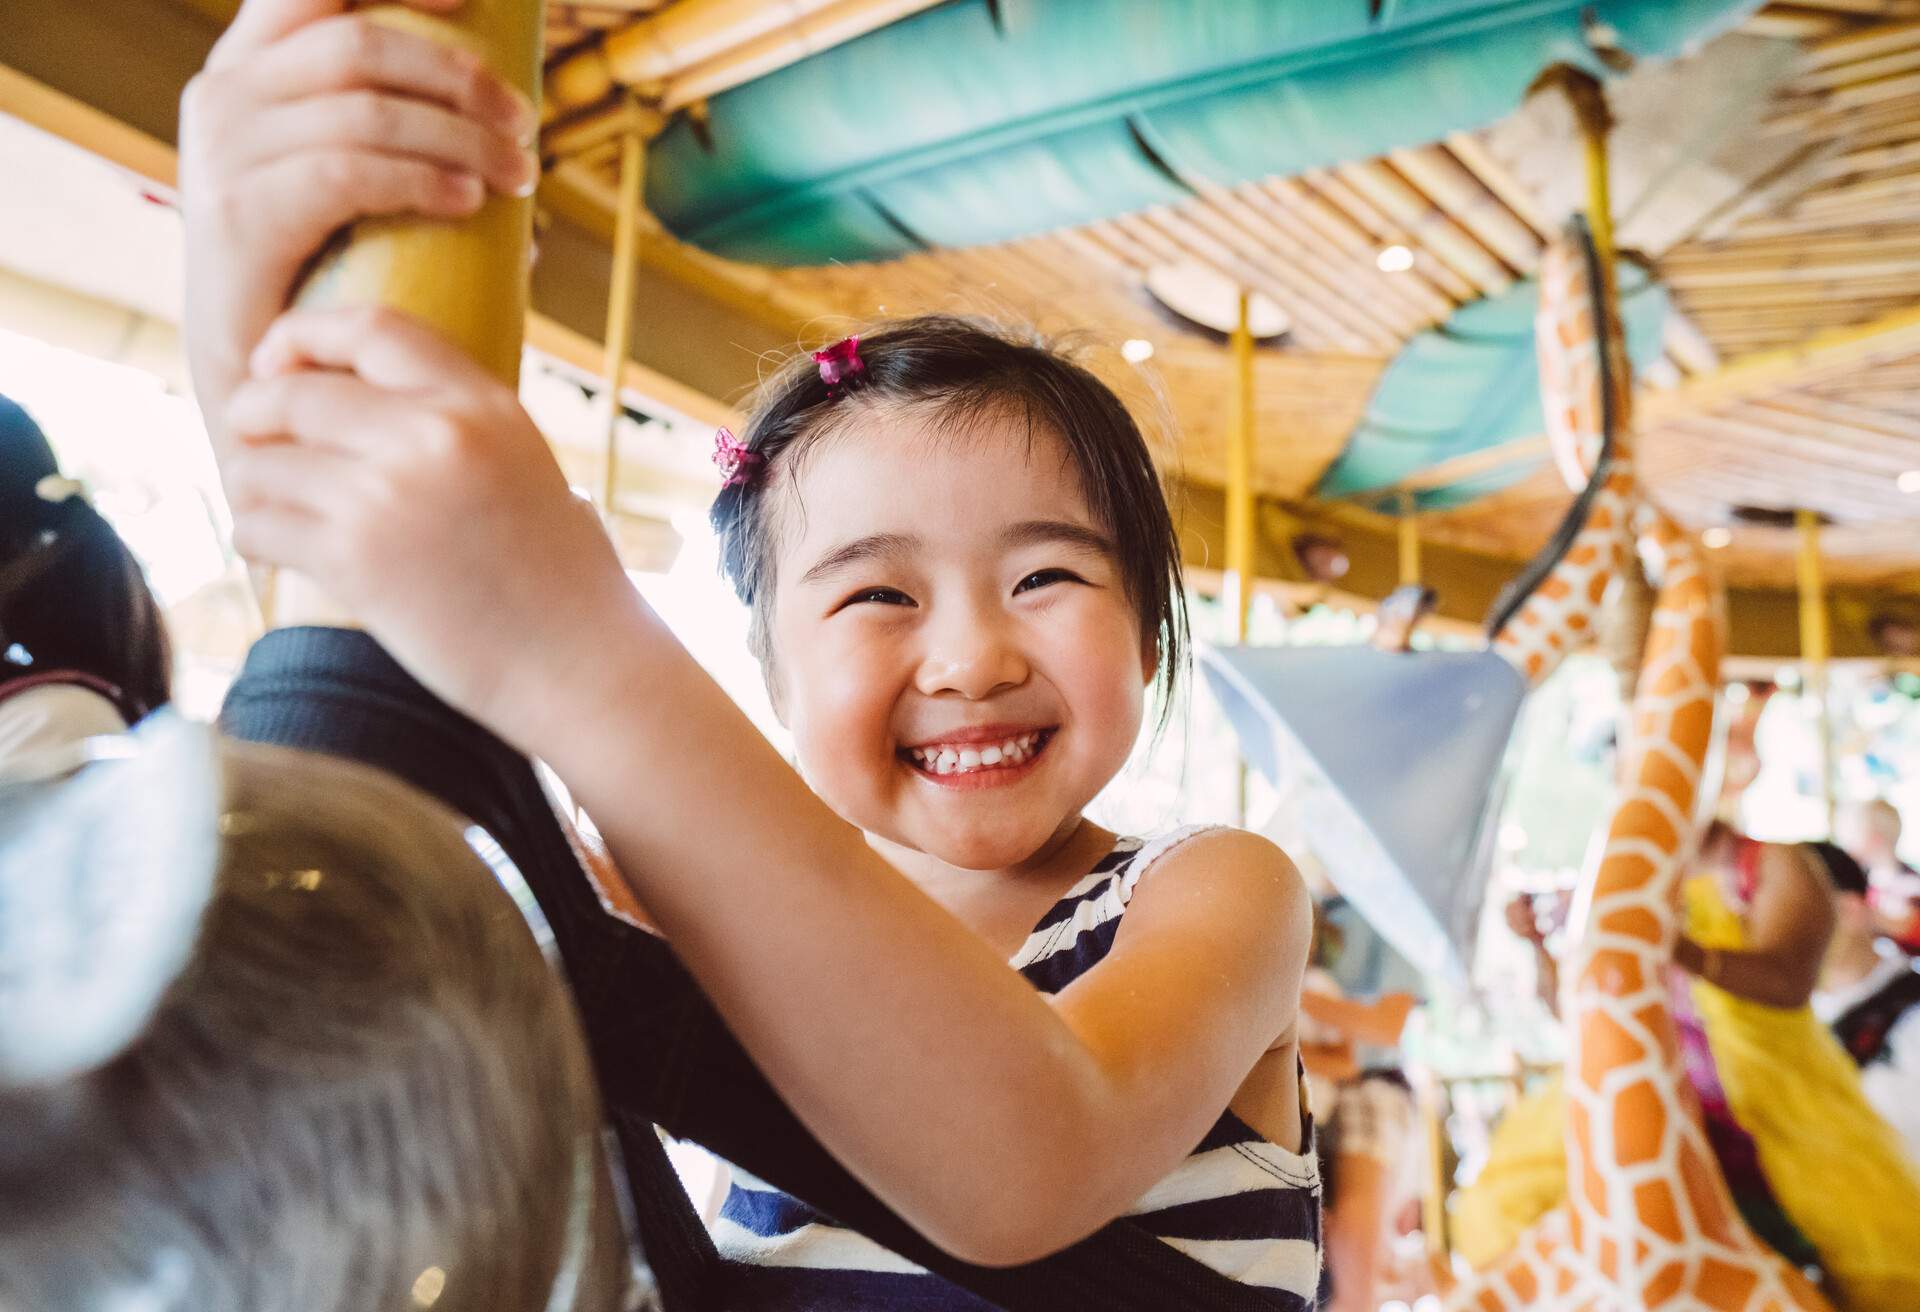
<point x="1773" y="180"/>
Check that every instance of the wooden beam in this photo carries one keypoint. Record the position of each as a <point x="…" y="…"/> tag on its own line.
<point x="220" y="11"/>
<point x="1820" y="356"/>
<point x="1462" y="195"/>
<point x="1854" y="46"/>
<point x="583" y="353"/>
<point x="49" y="110"/>
<point x="1795" y="24"/>
<point x="1495" y="176"/>
<point x="54" y="112"/>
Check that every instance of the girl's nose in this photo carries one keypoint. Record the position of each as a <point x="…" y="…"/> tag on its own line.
<point x="972" y="656"/>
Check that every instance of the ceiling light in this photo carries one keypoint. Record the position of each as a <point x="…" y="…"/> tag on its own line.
<point x="1394" y="259"/>
<point x="1136" y="350"/>
<point x="1909" y="482"/>
<point x="1202" y="295"/>
<point x="1717" y="537"/>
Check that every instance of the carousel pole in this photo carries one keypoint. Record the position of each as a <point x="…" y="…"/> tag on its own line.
<point x="1409" y="541"/>
<point x="1814" y="646"/>
<point x="464" y="278"/>
<point x="1240" y="509"/>
<point x="620" y="297"/>
<point x="1239" y="590"/>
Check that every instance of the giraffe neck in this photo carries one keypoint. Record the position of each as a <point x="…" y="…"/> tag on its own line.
<point x="1583" y="391"/>
<point x="1647" y="1210"/>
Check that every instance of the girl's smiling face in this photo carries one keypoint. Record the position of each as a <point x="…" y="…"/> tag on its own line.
<point x="953" y="646"/>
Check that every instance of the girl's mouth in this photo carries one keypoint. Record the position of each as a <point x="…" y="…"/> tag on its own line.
<point x="977" y="763"/>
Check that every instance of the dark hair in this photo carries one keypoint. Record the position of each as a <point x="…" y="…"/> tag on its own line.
<point x="72" y="596"/>
<point x="966" y="369"/>
<point x="1842" y="870"/>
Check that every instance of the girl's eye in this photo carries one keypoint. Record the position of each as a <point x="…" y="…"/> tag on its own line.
<point x="878" y="597"/>
<point x="1040" y="578"/>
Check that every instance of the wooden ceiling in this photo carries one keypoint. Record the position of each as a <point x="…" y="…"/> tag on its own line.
<point x="1772" y="180"/>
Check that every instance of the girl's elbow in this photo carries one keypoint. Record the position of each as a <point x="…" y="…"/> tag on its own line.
<point x="1018" y="1221"/>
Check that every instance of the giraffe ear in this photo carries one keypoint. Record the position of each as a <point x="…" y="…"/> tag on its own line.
<point x="104" y="875"/>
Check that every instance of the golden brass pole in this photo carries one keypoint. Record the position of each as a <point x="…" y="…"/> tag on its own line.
<point x="1815" y="646"/>
<point x="620" y="296"/>
<point x="1409" y="541"/>
<point x="1239" y="590"/>
<point x="465" y="278"/>
<point x="1240" y="482"/>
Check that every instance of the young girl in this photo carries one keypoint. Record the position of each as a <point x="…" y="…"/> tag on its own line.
<point x="1008" y="1024"/>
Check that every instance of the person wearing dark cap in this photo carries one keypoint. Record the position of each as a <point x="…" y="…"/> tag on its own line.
<point x="1869" y="995"/>
<point x="83" y="649"/>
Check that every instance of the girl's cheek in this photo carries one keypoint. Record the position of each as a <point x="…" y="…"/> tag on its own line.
<point x="843" y="698"/>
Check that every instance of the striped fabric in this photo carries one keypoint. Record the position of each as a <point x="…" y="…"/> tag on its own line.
<point x="1239" y="1204"/>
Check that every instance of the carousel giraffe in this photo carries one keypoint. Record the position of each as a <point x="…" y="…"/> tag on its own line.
<point x="1648" y="1222"/>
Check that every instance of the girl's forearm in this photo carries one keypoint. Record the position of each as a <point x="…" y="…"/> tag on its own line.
<point x="832" y="969"/>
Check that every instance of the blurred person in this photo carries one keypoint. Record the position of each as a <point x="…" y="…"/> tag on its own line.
<point x="1869" y="995"/>
<point x="1759" y="918"/>
<point x="1871" y="833"/>
<point x="1525" y="1173"/>
<point x="1784" y="1110"/>
<point x="83" y="649"/>
<point x="1368" y="1112"/>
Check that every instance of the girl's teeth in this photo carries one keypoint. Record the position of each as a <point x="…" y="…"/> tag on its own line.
<point x="952" y="760"/>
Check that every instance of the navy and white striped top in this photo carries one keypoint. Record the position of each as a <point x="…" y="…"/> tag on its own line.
<point x="1238" y="1203"/>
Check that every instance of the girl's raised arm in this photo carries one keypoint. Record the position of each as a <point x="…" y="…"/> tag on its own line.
<point x="375" y="457"/>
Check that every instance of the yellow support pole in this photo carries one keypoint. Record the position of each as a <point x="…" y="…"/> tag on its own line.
<point x="465" y="278"/>
<point x="1240" y="507"/>
<point x="1815" y="645"/>
<point x="620" y="294"/>
<point x="1240" y="482"/>
<point x="1409" y="541"/>
<point x="1599" y="196"/>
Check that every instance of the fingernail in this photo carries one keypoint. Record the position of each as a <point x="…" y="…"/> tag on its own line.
<point x="529" y="175"/>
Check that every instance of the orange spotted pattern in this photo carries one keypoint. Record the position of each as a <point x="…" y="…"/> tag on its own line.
<point x="1648" y="1223"/>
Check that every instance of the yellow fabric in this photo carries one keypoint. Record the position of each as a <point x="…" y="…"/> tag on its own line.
<point x="1525" y="1177"/>
<point x="1838" y="1171"/>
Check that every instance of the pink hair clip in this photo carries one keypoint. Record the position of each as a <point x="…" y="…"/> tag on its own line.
<point x="841" y="365"/>
<point x="736" y="464"/>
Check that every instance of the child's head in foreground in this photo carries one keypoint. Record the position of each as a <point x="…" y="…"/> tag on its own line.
<point x="963" y="578"/>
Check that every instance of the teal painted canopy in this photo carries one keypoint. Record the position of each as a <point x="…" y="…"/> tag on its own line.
<point x="1470" y="384"/>
<point x="984" y="120"/>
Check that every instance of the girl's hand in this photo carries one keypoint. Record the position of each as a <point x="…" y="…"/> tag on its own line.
<point x="306" y="118"/>
<point x="374" y="457"/>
